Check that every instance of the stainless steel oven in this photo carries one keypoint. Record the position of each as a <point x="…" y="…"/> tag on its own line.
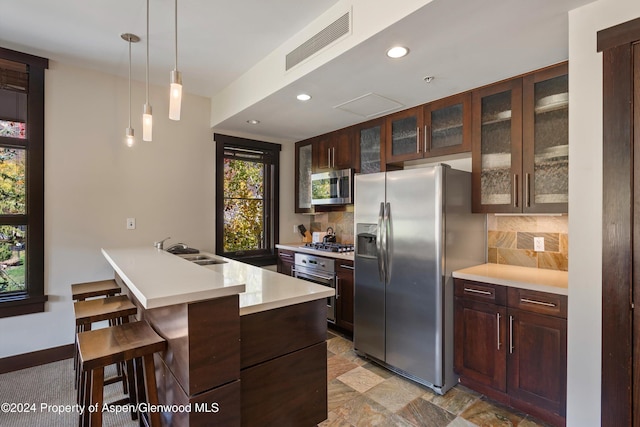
<point x="317" y="270"/>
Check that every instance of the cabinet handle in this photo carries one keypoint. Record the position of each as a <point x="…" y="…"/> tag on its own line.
<point x="511" y="334"/>
<point x="515" y="190"/>
<point x="348" y="267"/>
<point x="418" y="139"/>
<point x="337" y="287"/>
<point x="498" y="327"/>
<point x="427" y="137"/>
<point x="477" y="291"/>
<point x="526" y="190"/>
<point x="531" y="301"/>
<point x="284" y="255"/>
<point x="329" y="158"/>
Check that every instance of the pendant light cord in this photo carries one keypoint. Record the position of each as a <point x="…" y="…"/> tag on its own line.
<point x="129" y="82"/>
<point x="176" y="28"/>
<point x="147" y="87"/>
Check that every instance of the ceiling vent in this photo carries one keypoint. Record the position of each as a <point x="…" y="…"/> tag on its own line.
<point x="322" y="39"/>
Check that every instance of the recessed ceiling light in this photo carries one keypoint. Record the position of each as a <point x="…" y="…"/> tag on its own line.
<point x="303" y="97"/>
<point x="253" y="122"/>
<point x="397" y="52"/>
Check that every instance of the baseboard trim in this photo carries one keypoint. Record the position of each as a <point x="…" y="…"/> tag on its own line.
<point x="35" y="358"/>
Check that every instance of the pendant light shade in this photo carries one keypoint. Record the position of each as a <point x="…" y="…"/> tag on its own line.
<point x="175" y="95"/>
<point x="147" y="118"/>
<point x="129" y="138"/>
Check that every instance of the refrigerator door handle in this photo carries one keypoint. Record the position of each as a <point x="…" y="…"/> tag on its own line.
<point x="387" y="230"/>
<point x="379" y="249"/>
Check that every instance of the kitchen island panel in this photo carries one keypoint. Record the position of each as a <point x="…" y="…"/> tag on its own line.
<point x="273" y="333"/>
<point x="219" y="407"/>
<point x="289" y="390"/>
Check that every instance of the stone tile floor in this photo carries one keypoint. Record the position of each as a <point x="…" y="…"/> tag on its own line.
<point x="361" y="393"/>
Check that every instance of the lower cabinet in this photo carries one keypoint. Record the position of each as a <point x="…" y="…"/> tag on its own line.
<point x="344" y="294"/>
<point x="511" y="345"/>
<point x="285" y="261"/>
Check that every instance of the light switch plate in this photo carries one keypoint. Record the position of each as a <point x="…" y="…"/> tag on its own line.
<point x="538" y="244"/>
<point x="131" y="223"/>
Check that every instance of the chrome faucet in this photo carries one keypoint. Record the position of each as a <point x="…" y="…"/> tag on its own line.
<point x="160" y="244"/>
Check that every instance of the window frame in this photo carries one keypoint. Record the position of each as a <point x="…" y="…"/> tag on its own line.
<point x="260" y="257"/>
<point x="33" y="299"/>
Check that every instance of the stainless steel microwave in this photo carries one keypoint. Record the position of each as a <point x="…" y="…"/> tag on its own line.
<point x="332" y="188"/>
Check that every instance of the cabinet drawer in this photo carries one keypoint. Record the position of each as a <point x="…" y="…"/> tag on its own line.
<point x="486" y="292"/>
<point x="285" y="255"/>
<point x="538" y="302"/>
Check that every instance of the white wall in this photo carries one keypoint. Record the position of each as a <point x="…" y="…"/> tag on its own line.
<point x="93" y="182"/>
<point x="585" y="205"/>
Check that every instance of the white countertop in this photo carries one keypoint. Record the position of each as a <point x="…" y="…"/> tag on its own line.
<point x="158" y="278"/>
<point x="534" y="279"/>
<point x="299" y="247"/>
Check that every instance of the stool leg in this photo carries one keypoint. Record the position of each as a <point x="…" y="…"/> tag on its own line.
<point x="151" y="388"/>
<point x="97" y="386"/>
<point x="133" y="399"/>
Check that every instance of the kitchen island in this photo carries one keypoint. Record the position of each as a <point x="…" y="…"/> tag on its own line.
<point x="246" y="346"/>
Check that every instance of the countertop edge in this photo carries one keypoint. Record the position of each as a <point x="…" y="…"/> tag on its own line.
<point x="521" y="283"/>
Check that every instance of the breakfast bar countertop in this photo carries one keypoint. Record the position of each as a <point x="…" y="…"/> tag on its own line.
<point x="158" y="278"/>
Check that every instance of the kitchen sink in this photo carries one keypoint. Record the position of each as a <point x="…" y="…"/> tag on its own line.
<point x="209" y="261"/>
<point x="203" y="259"/>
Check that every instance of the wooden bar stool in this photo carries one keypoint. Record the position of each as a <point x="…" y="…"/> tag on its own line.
<point x="116" y="310"/>
<point x="116" y="344"/>
<point x="100" y="288"/>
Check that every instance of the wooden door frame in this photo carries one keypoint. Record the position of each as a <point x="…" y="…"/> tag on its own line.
<point x="620" y="228"/>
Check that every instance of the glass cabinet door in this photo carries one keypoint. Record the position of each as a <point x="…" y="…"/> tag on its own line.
<point x="497" y="150"/>
<point x="370" y="149"/>
<point x="448" y="125"/>
<point x="304" y="164"/>
<point x="546" y="141"/>
<point x="404" y="135"/>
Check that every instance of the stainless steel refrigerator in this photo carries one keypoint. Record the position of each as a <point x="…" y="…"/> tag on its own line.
<point x="413" y="228"/>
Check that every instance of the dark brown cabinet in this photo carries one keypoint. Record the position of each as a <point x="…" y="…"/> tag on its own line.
<point x="447" y="125"/>
<point x="333" y="151"/>
<point x="344" y="294"/>
<point x="511" y="344"/>
<point x="438" y="128"/>
<point x="285" y="262"/>
<point x="405" y="135"/>
<point x="520" y="155"/>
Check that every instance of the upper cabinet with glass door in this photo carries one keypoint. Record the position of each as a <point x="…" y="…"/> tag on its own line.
<point x="438" y="128"/>
<point x="520" y="144"/>
<point x="447" y="125"/>
<point x="545" y="136"/>
<point x="370" y="147"/>
<point x="304" y="169"/>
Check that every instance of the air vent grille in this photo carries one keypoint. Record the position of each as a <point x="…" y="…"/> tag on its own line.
<point x="322" y="39"/>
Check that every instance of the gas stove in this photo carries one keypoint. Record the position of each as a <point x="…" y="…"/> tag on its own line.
<point x="330" y="247"/>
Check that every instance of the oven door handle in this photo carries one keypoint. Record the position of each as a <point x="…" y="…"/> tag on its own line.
<point x="295" y="272"/>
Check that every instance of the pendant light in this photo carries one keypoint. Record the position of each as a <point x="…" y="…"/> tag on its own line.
<point x="175" y="93"/>
<point x="147" y="118"/>
<point x="129" y="136"/>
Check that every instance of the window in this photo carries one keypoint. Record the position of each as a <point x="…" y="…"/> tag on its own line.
<point x="247" y="181"/>
<point x="21" y="183"/>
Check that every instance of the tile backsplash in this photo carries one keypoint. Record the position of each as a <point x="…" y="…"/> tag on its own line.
<point x="510" y="240"/>
<point x="341" y="222"/>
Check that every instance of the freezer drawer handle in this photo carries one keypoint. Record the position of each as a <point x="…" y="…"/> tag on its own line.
<point x="477" y="291"/>
<point x="531" y="301"/>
